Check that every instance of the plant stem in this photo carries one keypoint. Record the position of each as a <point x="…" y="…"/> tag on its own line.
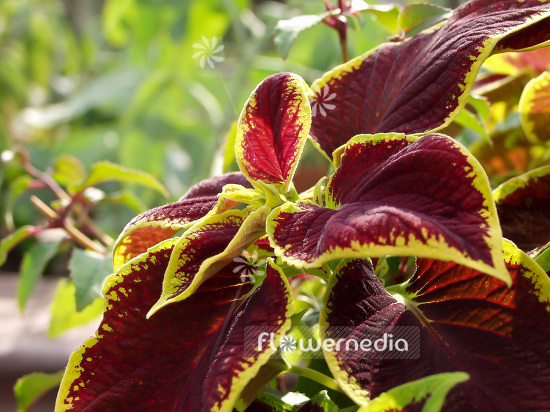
<point x="343" y="45"/>
<point x="308" y="373"/>
<point x="76" y="234"/>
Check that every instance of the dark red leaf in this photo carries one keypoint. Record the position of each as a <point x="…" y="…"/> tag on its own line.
<point x="421" y="84"/>
<point x="523" y="205"/>
<point x="468" y="322"/>
<point x="188" y="357"/>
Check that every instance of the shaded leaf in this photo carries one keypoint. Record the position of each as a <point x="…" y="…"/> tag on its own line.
<point x="272" y="131"/>
<point x="523" y="203"/>
<point x="88" y="271"/>
<point x="188" y="357"/>
<point x="64" y="313"/>
<point x="427" y="394"/>
<point x="34" y="262"/>
<point x="29" y="388"/>
<point x="467" y="321"/>
<point x="421" y="84"/>
<point x="107" y="171"/>
<point x="158" y="224"/>
<point x="396" y="195"/>
<point x="534" y="107"/>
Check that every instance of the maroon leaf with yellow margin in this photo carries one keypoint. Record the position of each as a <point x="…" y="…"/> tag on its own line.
<point x="468" y="322"/>
<point x="421" y="84"/>
<point x="396" y="195"/>
<point x="272" y="130"/>
<point x="188" y="357"/>
<point x="206" y="248"/>
<point x="156" y="225"/>
<point x="523" y="205"/>
<point x="534" y="107"/>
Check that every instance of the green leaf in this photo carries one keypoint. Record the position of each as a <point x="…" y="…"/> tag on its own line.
<point x="68" y="170"/>
<point x="286" y="31"/>
<point x="107" y="171"/>
<point x="30" y="387"/>
<point x="88" y="271"/>
<point x="229" y="148"/>
<point x="543" y="260"/>
<point x="12" y="240"/>
<point x="386" y="14"/>
<point x="467" y="119"/>
<point x="32" y="267"/>
<point x="64" y="313"/>
<point x="430" y="391"/>
<point x="417" y="17"/>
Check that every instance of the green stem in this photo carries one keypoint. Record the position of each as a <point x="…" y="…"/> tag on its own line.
<point x="307" y="373"/>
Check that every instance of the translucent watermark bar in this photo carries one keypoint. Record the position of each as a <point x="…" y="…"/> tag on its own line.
<point x="304" y="342"/>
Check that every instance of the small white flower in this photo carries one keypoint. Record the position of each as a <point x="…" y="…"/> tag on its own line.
<point x="319" y="103"/>
<point x="250" y="268"/>
<point x="288" y="344"/>
<point x="207" y="52"/>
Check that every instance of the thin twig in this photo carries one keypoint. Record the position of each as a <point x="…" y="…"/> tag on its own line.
<point x="76" y="234"/>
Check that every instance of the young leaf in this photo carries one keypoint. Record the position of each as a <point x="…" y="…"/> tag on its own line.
<point x="421" y="84"/>
<point x="207" y="247"/>
<point x="466" y="321"/>
<point x="64" y="313"/>
<point x="319" y="403"/>
<point x="272" y="131"/>
<point x="428" y="393"/>
<point x="534" y="107"/>
<point x="13" y="239"/>
<point x="189" y="357"/>
<point x="107" y="171"/>
<point x="68" y="170"/>
<point x="417" y="17"/>
<point x="158" y="224"/>
<point x="34" y="262"/>
<point x="286" y="31"/>
<point x="523" y="203"/>
<point x="29" y="388"/>
<point x="266" y="402"/>
<point x="88" y="270"/>
<point x="396" y="195"/>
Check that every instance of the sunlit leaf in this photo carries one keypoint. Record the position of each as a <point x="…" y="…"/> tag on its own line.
<point x="286" y="31"/>
<point x="68" y="170"/>
<point x="13" y="239"/>
<point x="189" y="357"/>
<point x="29" y="388"/>
<point x="465" y="321"/>
<point x="107" y="171"/>
<point x="396" y="195"/>
<point x="64" y="313"/>
<point x="273" y="129"/>
<point x="417" y="17"/>
<point x="534" y="107"/>
<point x="427" y="394"/>
<point x="206" y="248"/>
<point x="421" y="84"/>
<point x="156" y="225"/>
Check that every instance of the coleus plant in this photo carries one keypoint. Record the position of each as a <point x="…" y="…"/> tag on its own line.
<point x="180" y="317"/>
